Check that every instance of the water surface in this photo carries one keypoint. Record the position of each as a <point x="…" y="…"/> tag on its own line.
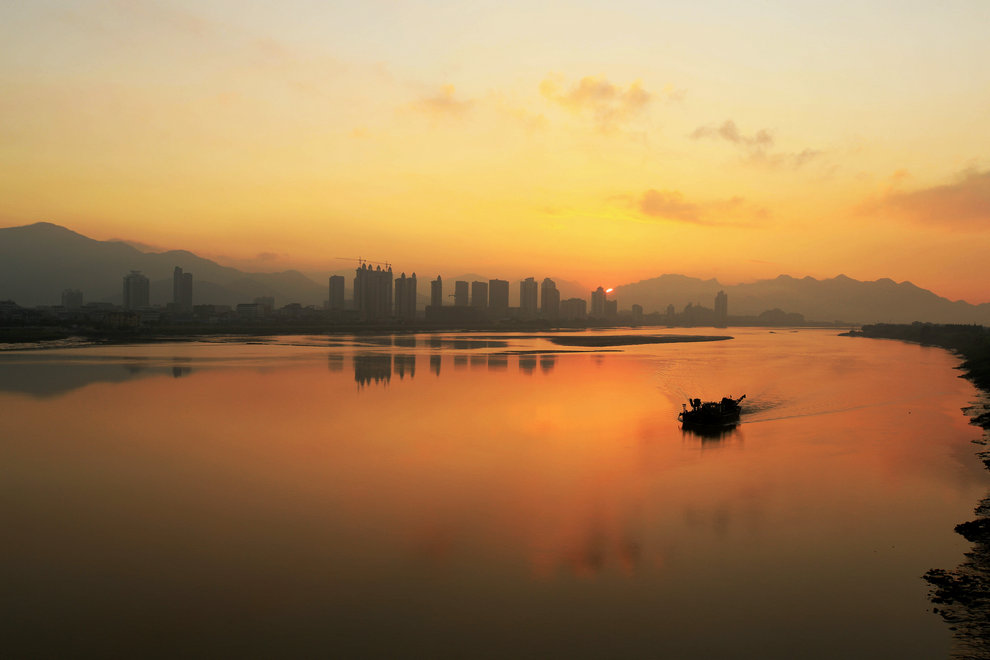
<point x="481" y="496"/>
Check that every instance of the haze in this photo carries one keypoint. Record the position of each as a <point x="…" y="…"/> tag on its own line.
<point x="602" y="142"/>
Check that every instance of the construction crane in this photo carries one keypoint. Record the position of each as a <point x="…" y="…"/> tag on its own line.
<point x="362" y="261"/>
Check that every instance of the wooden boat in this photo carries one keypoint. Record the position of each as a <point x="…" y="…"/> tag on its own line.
<point x="711" y="413"/>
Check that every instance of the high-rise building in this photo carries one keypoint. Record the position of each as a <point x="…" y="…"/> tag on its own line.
<point x="479" y="294"/>
<point x="611" y="309"/>
<point x="373" y="292"/>
<point x="598" y="303"/>
<point x="72" y="299"/>
<point x="405" y="297"/>
<point x="721" y="309"/>
<point x="549" y="299"/>
<point x="137" y="290"/>
<point x="266" y="305"/>
<point x="573" y="308"/>
<point x="461" y="294"/>
<point x="498" y="297"/>
<point x="182" y="290"/>
<point x="637" y="312"/>
<point x="436" y="292"/>
<point x="335" y="302"/>
<point x="528" y="291"/>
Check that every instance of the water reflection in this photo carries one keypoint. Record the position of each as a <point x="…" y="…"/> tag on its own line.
<point x="497" y="362"/>
<point x="713" y="434"/>
<point x="547" y="363"/>
<point x="404" y="364"/>
<point x="335" y="362"/>
<point x="527" y="364"/>
<point x="372" y="368"/>
<point x="435" y="361"/>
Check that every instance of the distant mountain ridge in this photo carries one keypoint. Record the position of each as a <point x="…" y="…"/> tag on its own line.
<point x="39" y="261"/>
<point x="840" y="298"/>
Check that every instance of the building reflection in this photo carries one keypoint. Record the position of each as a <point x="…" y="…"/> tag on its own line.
<point x="479" y="361"/>
<point x="547" y="363"/>
<point x="404" y="364"/>
<point x="179" y="372"/>
<point x="335" y="362"/>
<point x="460" y="361"/>
<point x="498" y="362"/>
<point x="372" y="368"/>
<point x="406" y="341"/>
<point x="527" y="364"/>
<point x="435" y="361"/>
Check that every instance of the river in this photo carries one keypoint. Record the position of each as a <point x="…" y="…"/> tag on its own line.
<point x="481" y="495"/>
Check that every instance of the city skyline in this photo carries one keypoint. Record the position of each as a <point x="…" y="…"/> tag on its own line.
<point x="716" y="140"/>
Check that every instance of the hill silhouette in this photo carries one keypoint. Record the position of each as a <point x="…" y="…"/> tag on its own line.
<point x="839" y="298"/>
<point x="39" y="261"/>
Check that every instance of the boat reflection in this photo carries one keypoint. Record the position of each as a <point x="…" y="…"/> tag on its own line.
<point x="713" y="434"/>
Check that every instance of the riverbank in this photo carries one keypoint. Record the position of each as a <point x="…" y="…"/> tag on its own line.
<point x="970" y="342"/>
<point x="960" y="596"/>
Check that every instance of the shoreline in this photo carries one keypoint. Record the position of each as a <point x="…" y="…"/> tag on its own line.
<point x="961" y="595"/>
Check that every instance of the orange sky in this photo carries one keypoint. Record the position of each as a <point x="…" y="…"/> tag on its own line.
<point x="596" y="142"/>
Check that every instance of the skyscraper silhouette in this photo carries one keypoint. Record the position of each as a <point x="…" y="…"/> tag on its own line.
<point x="405" y="297"/>
<point x="549" y="299"/>
<point x="137" y="290"/>
<point x="498" y="297"/>
<point x="479" y="294"/>
<point x="721" y="309"/>
<point x="436" y="292"/>
<point x="528" y="290"/>
<point x="373" y="292"/>
<point x="335" y="302"/>
<point x="598" y="303"/>
<point x="461" y="294"/>
<point x="182" y="291"/>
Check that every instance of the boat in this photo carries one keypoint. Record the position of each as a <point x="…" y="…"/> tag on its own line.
<point x="711" y="413"/>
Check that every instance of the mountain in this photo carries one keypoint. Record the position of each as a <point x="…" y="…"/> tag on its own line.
<point x="840" y="298"/>
<point x="39" y="261"/>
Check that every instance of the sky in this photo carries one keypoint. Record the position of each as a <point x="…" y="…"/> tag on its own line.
<point x="595" y="142"/>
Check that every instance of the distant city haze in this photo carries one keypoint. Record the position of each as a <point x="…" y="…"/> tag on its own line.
<point x="45" y="264"/>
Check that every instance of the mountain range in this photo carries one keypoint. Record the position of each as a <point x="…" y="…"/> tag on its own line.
<point x="839" y="298"/>
<point x="38" y="261"/>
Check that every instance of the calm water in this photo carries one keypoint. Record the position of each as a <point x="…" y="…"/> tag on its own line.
<point x="471" y="496"/>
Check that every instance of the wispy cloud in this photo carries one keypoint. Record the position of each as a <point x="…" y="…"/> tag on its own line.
<point x="444" y="104"/>
<point x="963" y="204"/>
<point x="730" y="132"/>
<point x="608" y="104"/>
<point x="671" y="205"/>
<point x="757" y="147"/>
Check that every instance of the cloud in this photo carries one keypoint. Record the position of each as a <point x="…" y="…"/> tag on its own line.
<point x="608" y="104"/>
<point x="672" y="206"/>
<point x="730" y="132"/>
<point x="756" y="146"/>
<point x="444" y="104"/>
<point x="669" y="205"/>
<point x="963" y="204"/>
